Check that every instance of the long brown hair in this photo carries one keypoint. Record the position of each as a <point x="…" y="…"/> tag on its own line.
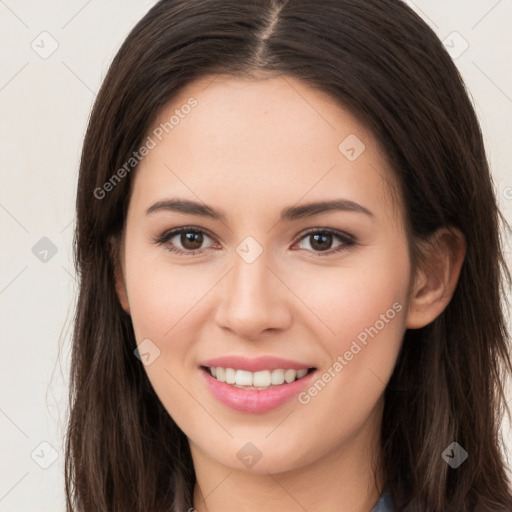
<point x="381" y="61"/>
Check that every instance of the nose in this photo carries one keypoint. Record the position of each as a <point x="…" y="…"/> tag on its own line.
<point x="253" y="300"/>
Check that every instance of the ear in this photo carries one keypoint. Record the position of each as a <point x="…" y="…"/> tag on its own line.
<point x="435" y="283"/>
<point x="116" y="245"/>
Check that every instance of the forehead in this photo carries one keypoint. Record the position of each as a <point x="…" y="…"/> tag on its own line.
<point x="251" y="143"/>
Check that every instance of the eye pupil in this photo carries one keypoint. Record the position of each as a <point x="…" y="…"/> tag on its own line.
<point x="196" y="239"/>
<point x="324" y="237"/>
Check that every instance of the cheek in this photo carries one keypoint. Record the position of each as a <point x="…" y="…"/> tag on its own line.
<point x="165" y="302"/>
<point x="163" y="296"/>
<point x="365" y="307"/>
<point x="355" y="299"/>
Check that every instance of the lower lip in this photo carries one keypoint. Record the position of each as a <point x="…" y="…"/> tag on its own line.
<point x="255" y="400"/>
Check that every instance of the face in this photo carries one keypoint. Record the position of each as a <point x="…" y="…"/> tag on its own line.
<point x="261" y="281"/>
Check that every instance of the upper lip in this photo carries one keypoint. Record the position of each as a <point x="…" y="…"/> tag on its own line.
<point x="255" y="364"/>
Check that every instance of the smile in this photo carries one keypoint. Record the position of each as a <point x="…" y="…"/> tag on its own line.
<point x="255" y="385"/>
<point x="264" y="379"/>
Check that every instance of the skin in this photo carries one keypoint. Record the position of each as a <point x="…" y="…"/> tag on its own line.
<point x="251" y="148"/>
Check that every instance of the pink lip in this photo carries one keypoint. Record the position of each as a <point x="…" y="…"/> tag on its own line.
<point x="255" y="400"/>
<point x="255" y="364"/>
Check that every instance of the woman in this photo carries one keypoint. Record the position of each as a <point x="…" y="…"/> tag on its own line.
<point x="291" y="270"/>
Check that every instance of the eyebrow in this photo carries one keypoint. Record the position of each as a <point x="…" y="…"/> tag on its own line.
<point x="287" y="214"/>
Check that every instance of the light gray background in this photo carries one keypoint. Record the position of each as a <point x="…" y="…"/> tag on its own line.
<point x="45" y="104"/>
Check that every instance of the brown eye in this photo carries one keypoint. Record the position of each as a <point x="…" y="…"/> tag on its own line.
<point x="321" y="241"/>
<point x="191" y="240"/>
<point x="186" y="241"/>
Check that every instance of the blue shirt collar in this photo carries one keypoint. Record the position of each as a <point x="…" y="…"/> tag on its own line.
<point x="384" y="504"/>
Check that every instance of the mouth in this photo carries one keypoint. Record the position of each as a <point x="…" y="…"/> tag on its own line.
<point x="260" y="380"/>
<point x="256" y="391"/>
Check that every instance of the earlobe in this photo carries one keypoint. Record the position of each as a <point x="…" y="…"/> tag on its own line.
<point x="116" y="251"/>
<point x="434" y="288"/>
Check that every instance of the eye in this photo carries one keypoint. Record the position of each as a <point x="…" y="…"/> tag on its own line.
<point x="189" y="238"/>
<point x="321" y="240"/>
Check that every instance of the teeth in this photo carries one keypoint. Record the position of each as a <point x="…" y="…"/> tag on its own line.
<point x="220" y="374"/>
<point x="256" y="380"/>
<point x="277" y="377"/>
<point x="230" y="376"/>
<point x="301" y="373"/>
<point x="243" y="378"/>
<point x="289" y="375"/>
<point x="261" y="379"/>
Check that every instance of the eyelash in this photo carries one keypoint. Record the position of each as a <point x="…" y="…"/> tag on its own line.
<point x="347" y="240"/>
